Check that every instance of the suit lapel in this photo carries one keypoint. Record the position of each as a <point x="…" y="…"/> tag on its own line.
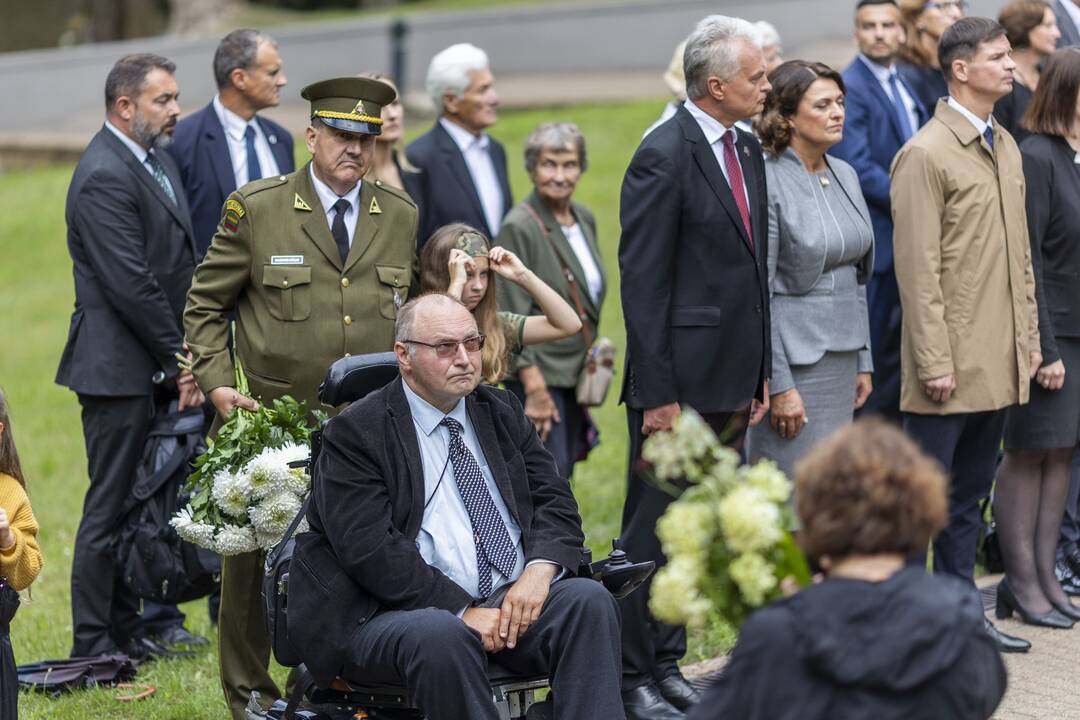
<point x="884" y="100"/>
<point x="142" y="172"/>
<point x="397" y="407"/>
<point x="173" y="174"/>
<point x="498" y="159"/>
<point x="277" y="146"/>
<point x="314" y="225"/>
<point x="480" y="415"/>
<point x="367" y="226"/>
<point x="456" y="162"/>
<point x="217" y="147"/>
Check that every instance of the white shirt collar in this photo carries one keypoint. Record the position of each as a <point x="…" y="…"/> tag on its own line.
<point x="233" y="124"/>
<point x="713" y="128"/>
<point x="1072" y="10"/>
<point x="426" y="416"/>
<point x="974" y="119"/>
<point x="138" y="150"/>
<point x="328" y="197"/>
<point x="882" y="73"/>
<point x="462" y="137"/>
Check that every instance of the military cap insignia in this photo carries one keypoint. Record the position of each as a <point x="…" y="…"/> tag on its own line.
<point x="299" y="204"/>
<point x="359" y="109"/>
<point x="374" y="209"/>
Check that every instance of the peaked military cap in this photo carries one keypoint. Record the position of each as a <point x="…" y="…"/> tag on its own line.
<point x="353" y="104"/>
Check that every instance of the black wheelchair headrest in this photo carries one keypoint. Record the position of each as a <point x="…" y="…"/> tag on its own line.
<point x="353" y="377"/>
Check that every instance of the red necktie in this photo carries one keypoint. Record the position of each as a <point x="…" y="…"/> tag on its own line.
<point x="735" y="179"/>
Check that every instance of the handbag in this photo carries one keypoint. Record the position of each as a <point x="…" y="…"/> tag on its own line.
<point x="596" y="375"/>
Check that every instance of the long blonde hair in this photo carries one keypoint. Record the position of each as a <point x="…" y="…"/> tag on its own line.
<point x="9" y="456"/>
<point x="435" y="277"/>
<point x="398" y="148"/>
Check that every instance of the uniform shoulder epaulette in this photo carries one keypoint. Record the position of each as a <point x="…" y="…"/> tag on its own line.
<point x="396" y="192"/>
<point x="258" y="186"/>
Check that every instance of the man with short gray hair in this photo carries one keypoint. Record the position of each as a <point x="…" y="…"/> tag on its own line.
<point x="696" y="304"/>
<point x="226" y="145"/>
<point x="464" y="176"/>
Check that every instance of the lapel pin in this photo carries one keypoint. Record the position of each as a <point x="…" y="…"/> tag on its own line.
<point x="272" y="139"/>
<point x="374" y="209"/>
<point x="746" y="151"/>
<point x="299" y="204"/>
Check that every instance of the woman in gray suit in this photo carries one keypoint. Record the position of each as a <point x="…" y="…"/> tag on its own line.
<point x="821" y="254"/>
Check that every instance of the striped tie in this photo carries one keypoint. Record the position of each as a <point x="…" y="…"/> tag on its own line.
<point x="159" y="174"/>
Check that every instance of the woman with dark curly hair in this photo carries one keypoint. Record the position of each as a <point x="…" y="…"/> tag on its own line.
<point x="820" y="257"/>
<point x="879" y="638"/>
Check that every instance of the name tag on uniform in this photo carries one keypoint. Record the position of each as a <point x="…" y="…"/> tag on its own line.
<point x="286" y="259"/>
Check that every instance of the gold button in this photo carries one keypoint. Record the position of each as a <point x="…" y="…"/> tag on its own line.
<point x="378" y="182"/>
<point x="348" y="354"/>
<point x="284" y="283"/>
<point x="348" y="320"/>
<point x="282" y="178"/>
<point x="344" y="282"/>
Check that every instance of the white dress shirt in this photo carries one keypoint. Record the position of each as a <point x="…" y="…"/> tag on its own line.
<point x="884" y="76"/>
<point x="974" y="119"/>
<point x="714" y="135"/>
<point x="594" y="281"/>
<point x="328" y="197"/>
<point x="476" y="151"/>
<point x="136" y="149"/>
<point x="446" y="539"/>
<point x="235" y="127"/>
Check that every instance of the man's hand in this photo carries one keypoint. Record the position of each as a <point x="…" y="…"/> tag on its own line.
<point x="1035" y="362"/>
<point x="190" y="394"/>
<point x="540" y="408"/>
<point x="7" y="537"/>
<point x="226" y="398"/>
<point x="940" y="389"/>
<point x="486" y="622"/>
<point x="523" y="603"/>
<point x="1051" y="376"/>
<point x="758" y="408"/>
<point x="864" y="385"/>
<point x="788" y="413"/>
<point x="659" y="418"/>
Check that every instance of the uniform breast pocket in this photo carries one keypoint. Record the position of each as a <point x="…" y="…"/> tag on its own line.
<point x="288" y="292"/>
<point x="393" y="289"/>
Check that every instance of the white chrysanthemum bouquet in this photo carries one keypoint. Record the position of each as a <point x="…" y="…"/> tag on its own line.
<point x="250" y="483"/>
<point x="727" y="537"/>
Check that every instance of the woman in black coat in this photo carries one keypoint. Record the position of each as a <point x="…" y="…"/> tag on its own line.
<point x="879" y="638"/>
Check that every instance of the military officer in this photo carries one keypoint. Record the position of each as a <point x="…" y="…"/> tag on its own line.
<point x="315" y="265"/>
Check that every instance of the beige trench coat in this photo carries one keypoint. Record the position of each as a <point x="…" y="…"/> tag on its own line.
<point x="963" y="266"/>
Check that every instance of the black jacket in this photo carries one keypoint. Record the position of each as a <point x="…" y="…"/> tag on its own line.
<point x="695" y="296"/>
<point x="201" y="151"/>
<point x="910" y="648"/>
<point x="133" y="257"/>
<point x="445" y="192"/>
<point x="361" y="556"/>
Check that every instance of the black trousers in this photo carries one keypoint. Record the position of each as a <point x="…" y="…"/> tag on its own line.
<point x="104" y="613"/>
<point x="651" y="649"/>
<point x="883" y="302"/>
<point x="967" y="446"/>
<point x="442" y="662"/>
<point x="1070" y="523"/>
<point x="565" y="437"/>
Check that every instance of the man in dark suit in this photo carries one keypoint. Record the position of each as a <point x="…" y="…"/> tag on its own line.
<point x="226" y="145"/>
<point x="695" y="298"/>
<point x="1067" y="13"/>
<point x="133" y="251"/>
<point x="443" y="539"/>
<point x="463" y="169"/>
<point x="882" y="114"/>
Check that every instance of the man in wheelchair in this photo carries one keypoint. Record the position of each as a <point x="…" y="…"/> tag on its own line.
<point x="443" y="539"/>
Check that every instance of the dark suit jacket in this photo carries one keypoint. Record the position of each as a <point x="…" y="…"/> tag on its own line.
<point x="133" y="255"/>
<point x="201" y="151"/>
<point x="445" y="191"/>
<point x="927" y="82"/>
<point x="871" y="140"/>
<point x="695" y="296"/>
<point x="361" y="557"/>
<point x="1069" y="34"/>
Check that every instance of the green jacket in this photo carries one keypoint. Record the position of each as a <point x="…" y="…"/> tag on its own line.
<point x="560" y="361"/>
<point x="274" y="263"/>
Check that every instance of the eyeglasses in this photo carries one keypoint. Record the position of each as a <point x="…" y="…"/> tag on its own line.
<point x="959" y="6"/>
<point x="449" y="349"/>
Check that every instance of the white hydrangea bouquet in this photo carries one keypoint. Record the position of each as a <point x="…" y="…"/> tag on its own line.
<point x="727" y="537"/>
<point x="244" y="491"/>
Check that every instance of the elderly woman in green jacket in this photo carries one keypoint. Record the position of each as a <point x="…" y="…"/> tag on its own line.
<point x="556" y="239"/>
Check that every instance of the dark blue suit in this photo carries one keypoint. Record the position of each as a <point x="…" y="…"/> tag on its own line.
<point x="872" y="137"/>
<point x="201" y="151"/>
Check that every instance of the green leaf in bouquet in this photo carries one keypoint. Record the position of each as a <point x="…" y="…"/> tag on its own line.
<point x="792" y="561"/>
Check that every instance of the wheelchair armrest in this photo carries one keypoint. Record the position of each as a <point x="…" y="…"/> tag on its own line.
<point x="618" y="574"/>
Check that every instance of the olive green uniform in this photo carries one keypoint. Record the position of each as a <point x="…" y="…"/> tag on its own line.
<point x="298" y="309"/>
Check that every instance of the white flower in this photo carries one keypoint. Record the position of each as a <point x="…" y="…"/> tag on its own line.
<point x="686" y="528"/>
<point x="272" y="515"/>
<point x="662" y="452"/>
<point x="231" y="493"/>
<point x="267" y="473"/>
<point x="749" y="520"/>
<point x="234" y="540"/>
<point x="754" y="577"/>
<point x="197" y="533"/>
<point x="674" y="597"/>
<point x="766" y="476"/>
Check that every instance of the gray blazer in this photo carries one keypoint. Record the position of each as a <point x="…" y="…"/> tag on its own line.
<point x="815" y="308"/>
<point x="1069" y="34"/>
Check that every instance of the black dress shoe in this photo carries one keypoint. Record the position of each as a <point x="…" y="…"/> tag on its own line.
<point x="677" y="691"/>
<point x="144" y="649"/>
<point x="1007" y="604"/>
<point x="1005" y="643"/>
<point x="646" y="703"/>
<point x="179" y="636"/>
<point x="1068" y="610"/>
<point x="1067" y="578"/>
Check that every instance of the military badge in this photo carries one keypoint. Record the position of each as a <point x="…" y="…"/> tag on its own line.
<point x="299" y="204"/>
<point x="235" y="206"/>
<point x="374" y="209"/>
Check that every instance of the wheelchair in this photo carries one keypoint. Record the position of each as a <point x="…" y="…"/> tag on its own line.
<point x="515" y="697"/>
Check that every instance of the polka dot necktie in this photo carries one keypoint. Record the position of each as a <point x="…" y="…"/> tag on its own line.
<point x="493" y="546"/>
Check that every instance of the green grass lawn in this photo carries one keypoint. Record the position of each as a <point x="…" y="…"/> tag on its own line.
<point x="35" y="277"/>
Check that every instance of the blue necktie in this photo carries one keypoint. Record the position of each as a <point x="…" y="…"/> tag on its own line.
<point x="254" y="170"/>
<point x="899" y="108"/>
<point x="988" y="135"/>
<point x="493" y="545"/>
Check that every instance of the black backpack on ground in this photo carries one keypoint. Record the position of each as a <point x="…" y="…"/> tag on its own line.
<point x="154" y="562"/>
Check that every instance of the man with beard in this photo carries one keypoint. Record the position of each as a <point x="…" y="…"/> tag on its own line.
<point x="133" y="252"/>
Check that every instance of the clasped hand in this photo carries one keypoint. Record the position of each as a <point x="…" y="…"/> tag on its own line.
<point x="502" y="626"/>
